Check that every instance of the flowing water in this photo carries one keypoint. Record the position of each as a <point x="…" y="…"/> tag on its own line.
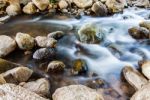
<point x="106" y="59"/>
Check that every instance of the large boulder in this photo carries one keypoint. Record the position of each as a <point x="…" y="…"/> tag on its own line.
<point x="16" y="92"/>
<point x="29" y="8"/>
<point x="7" y="45"/>
<point x="13" y="9"/>
<point x="25" y="41"/>
<point x="83" y="3"/>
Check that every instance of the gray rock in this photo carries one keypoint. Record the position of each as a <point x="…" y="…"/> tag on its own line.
<point x="44" y="53"/>
<point x="7" y="45"/>
<point x="56" y="35"/>
<point x="99" y="9"/>
<point x="16" y="92"/>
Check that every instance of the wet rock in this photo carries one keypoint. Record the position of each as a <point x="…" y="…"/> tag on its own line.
<point x="114" y="6"/>
<point x="134" y="78"/>
<point x="13" y="9"/>
<point x="16" y="92"/>
<point x="146" y="69"/>
<point x="83" y="3"/>
<point x="79" y="66"/>
<point x="145" y="24"/>
<point x="44" y="53"/>
<point x="55" y="66"/>
<point x="24" y="2"/>
<point x="25" y="41"/>
<point x="17" y="75"/>
<point x="29" y="8"/>
<point x="99" y="9"/>
<point x="43" y="41"/>
<point x="76" y="92"/>
<point x="2" y="80"/>
<point x="40" y="87"/>
<point x="89" y="33"/>
<point x="6" y="65"/>
<point x="7" y="45"/>
<point x="63" y="4"/>
<point x="142" y="94"/>
<point x="139" y="33"/>
<point x="141" y="3"/>
<point x="41" y="4"/>
<point x="56" y="35"/>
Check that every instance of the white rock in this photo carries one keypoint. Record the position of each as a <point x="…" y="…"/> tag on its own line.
<point x="41" y="4"/>
<point x="25" y="41"/>
<point x="83" y="3"/>
<point x="7" y="45"/>
<point x="16" y="92"/>
<point x="63" y="4"/>
<point x="29" y="8"/>
<point x="40" y="86"/>
<point x="13" y="9"/>
<point x="76" y="92"/>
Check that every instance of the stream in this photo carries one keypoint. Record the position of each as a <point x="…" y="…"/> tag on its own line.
<point x="105" y="59"/>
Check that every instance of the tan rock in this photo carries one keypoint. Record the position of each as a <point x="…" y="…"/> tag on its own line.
<point x="2" y="80"/>
<point x="146" y="69"/>
<point x="41" y="4"/>
<point x="7" y="45"/>
<point x="13" y="9"/>
<point x="40" y="86"/>
<point x="83" y="3"/>
<point x="29" y="8"/>
<point x="55" y="66"/>
<point x="76" y="92"/>
<point x="63" y="4"/>
<point x="17" y="75"/>
<point x="16" y="92"/>
<point x="25" y="41"/>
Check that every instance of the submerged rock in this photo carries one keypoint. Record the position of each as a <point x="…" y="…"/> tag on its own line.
<point x="29" y="8"/>
<point x="139" y="33"/>
<point x="17" y="75"/>
<point x="146" y="69"/>
<point x="25" y="41"/>
<point x="41" y="4"/>
<point x="76" y="92"/>
<point x="56" y="35"/>
<point x="13" y="9"/>
<point x="89" y="33"/>
<point x="16" y="92"/>
<point x="44" y="53"/>
<point x="114" y="6"/>
<point x="55" y="66"/>
<point x="99" y="9"/>
<point x="7" y="45"/>
<point x="43" y="41"/>
<point x="40" y="86"/>
<point x="83" y="3"/>
<point x="79" y="66"/>
<point x="134" y="78"/>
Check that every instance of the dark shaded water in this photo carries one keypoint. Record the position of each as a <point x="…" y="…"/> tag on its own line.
<point x="106" y="59"/>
